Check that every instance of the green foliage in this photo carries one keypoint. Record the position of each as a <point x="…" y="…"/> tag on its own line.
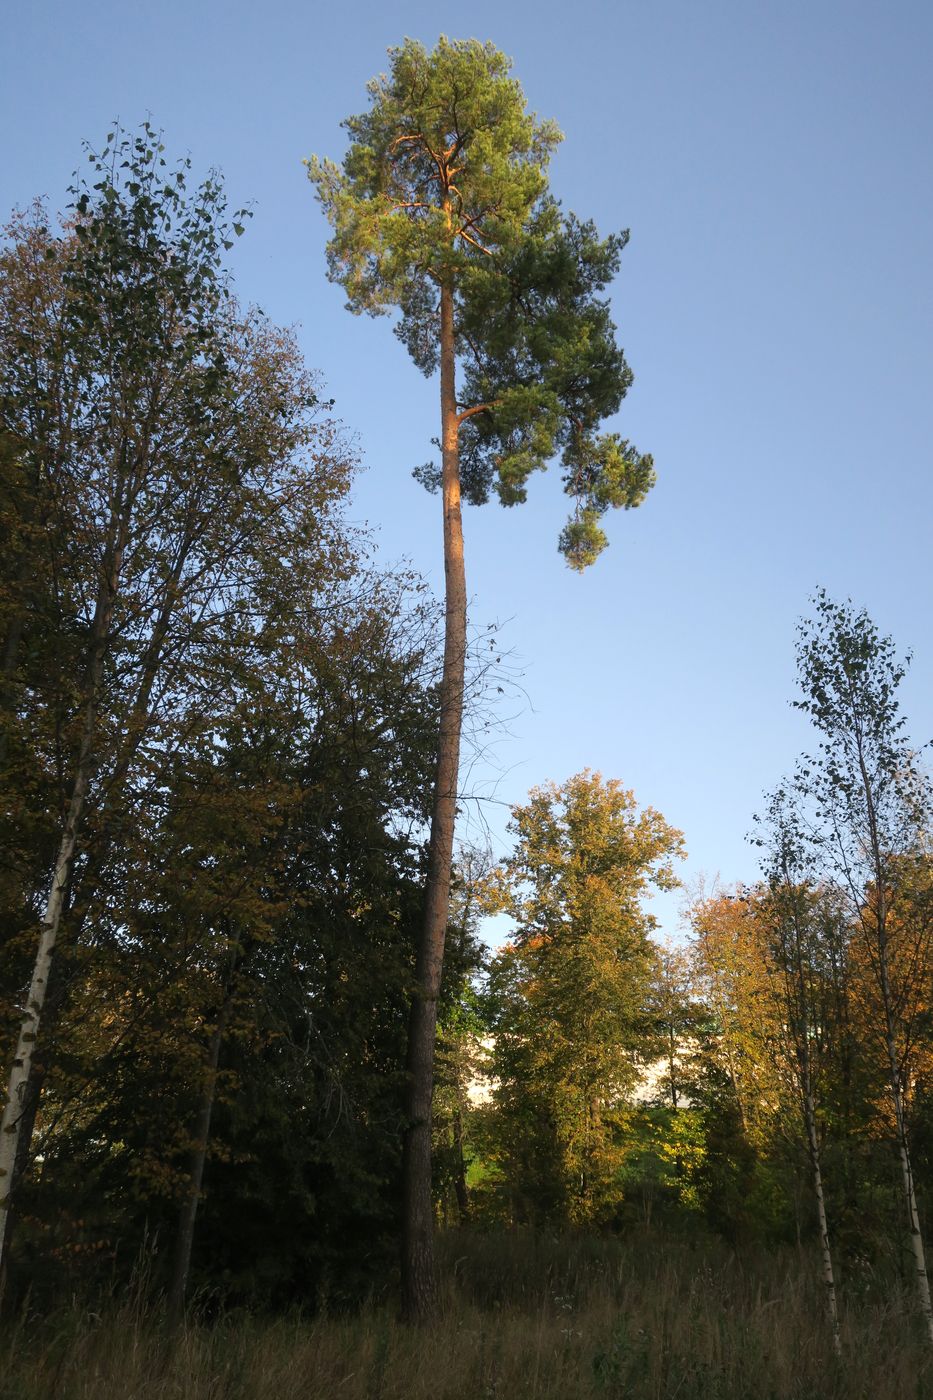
<point x="279" y="875"/>
<point x="250" y="867"/>
<point x="866" y="802"/>
<point x="459" y="1052"/>
<point x="568" y="994"/>
<point x="663" y="1165"/>
<point x="445" y="184"/>
<point x="263" y="725"/>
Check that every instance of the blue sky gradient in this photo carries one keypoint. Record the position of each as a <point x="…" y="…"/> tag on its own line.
<point x="772" y="161"/>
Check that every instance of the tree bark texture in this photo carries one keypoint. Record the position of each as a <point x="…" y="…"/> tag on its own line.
<point x="419" y="1289"/>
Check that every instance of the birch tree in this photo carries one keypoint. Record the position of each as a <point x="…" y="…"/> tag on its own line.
<point x="441" y="211"/>
<point x="802" y="930"/>
<point x="868" y="805"/>
<point x="168" y="439"/>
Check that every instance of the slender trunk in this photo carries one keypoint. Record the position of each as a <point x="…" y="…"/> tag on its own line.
<point x="796" y="957"/>
<point x="910" y="1195"/>
<point x="829" y="1278"/>
<point x="460" y="1181"/>
<point x="184" y="1239"/>
<point x="841" y="1003"/>
<point x="897" y="1095"/>
<point x="12" y="1123"/>
<point x="880" y="871"/>
<point x="419" y="1287"/>
<point x="31" y="1096"/>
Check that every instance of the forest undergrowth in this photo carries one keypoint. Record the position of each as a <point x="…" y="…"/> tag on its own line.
<point x="543" y="1318"/>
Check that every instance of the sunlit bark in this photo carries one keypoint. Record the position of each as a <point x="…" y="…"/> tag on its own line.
<point x="418" y="1281"/>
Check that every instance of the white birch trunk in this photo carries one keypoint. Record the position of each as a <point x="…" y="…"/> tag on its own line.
<point x="880" y="871"/>
<point x="829" y="1278"/>
<point x="11" y="1122"/>
<point x="900" y="1119"/>
<point x="799" y="1011"/>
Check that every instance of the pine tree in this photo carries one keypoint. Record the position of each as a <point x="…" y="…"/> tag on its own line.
<point x="441" y="210"/>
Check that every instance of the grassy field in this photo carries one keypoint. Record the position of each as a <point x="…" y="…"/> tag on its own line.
<point x="549" y="1319"/>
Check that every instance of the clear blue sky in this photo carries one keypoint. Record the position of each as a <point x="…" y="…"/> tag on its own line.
<point x="772" y="161"/>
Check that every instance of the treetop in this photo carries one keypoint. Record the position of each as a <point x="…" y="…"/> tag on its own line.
<point x="444" y="185"/>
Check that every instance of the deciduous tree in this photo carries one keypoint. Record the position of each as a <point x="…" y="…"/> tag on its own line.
<point x="803" y="931"/>
<point x="572" y="988"/>
<point x="170" y="455"/>
<point x="867" y="804"/>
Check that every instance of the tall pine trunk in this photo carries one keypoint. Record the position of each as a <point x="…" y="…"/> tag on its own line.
<point x="419" y="1285"/>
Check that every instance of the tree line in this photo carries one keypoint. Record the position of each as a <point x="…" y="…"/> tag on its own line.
<point x="217" y="724"/>
<point x="768" y="1078"/>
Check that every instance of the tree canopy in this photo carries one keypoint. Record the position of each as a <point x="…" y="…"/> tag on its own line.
<point x="445" y="182"/>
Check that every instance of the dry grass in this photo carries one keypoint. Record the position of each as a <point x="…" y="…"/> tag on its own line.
<point x="554" y="1320"/>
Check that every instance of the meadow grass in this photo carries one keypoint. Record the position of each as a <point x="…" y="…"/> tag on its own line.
<point x="650" y="1318"/>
